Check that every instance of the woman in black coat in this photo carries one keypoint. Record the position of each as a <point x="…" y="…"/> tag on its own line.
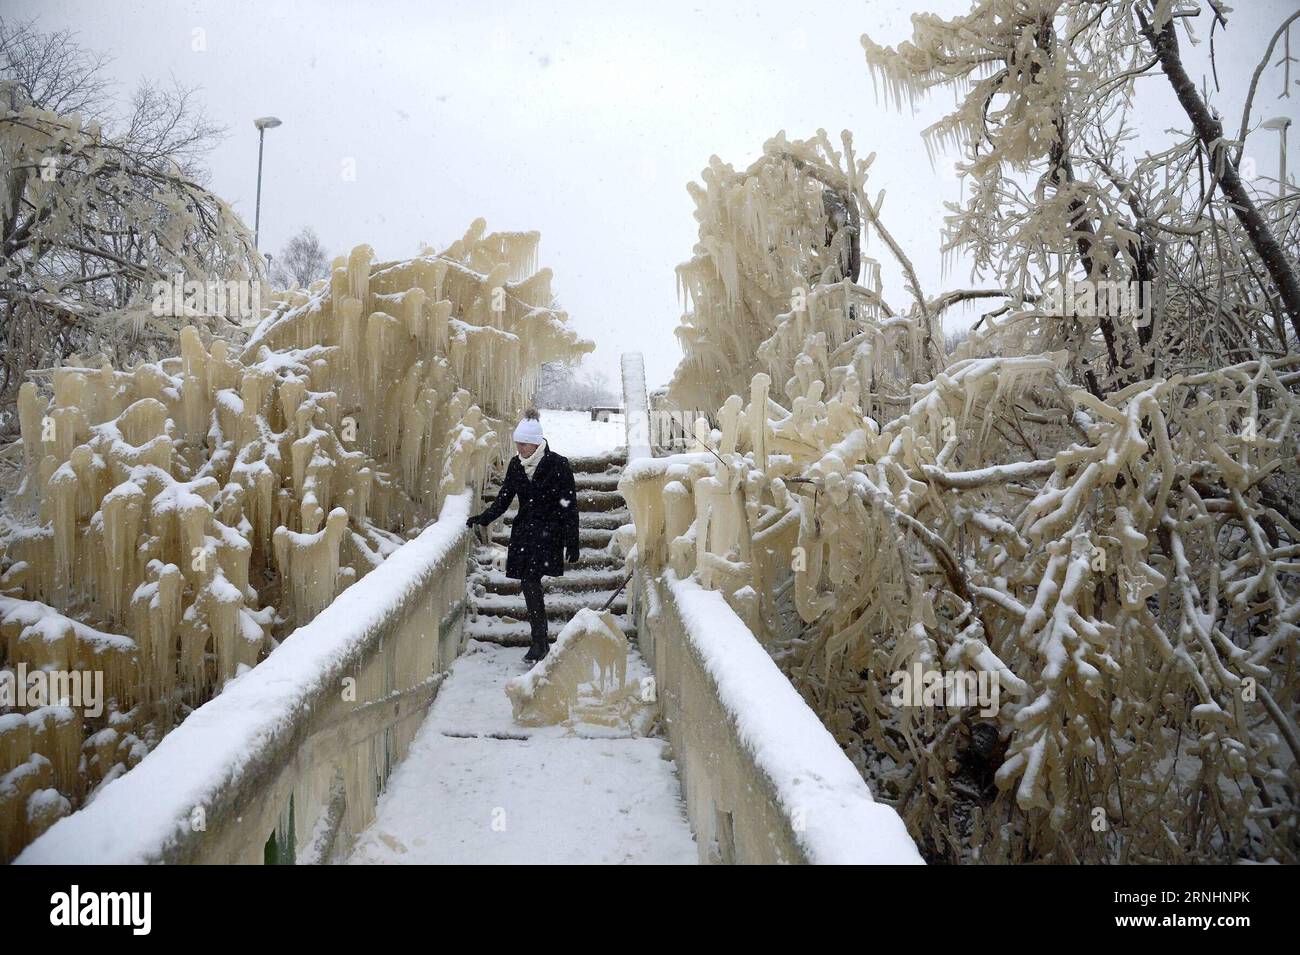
<point x="545" y="530"/>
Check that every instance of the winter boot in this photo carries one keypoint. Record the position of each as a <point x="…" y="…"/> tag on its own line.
<point x="537" y="649"/>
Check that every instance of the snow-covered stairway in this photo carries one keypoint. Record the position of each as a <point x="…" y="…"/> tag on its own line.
<point x="477" y="787"/>
<point x="499" y="614"/>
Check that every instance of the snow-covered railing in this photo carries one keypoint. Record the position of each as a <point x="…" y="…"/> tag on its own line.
<point x="636" y="405"/>
<point x="286" y="763"/>
<point x="764" y="780"/>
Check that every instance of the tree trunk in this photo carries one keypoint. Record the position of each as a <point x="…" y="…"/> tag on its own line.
<point x="1210" y="131"/>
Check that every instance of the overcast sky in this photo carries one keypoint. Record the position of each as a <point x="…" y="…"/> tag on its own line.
<point x="582" y="120"/>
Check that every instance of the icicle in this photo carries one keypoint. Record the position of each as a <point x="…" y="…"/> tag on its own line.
<point x="174" y="493"/>
<point x="590" y="652"/>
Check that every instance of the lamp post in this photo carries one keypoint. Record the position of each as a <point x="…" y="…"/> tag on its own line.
<point x="263" y="124"/>
<point x="1280" y="123"/>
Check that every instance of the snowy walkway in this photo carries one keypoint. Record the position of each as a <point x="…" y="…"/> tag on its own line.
<point x="478" y="788"/>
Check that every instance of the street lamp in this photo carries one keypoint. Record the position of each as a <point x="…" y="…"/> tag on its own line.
<point x="1280" y="123"/>
<point x="263" y="124"/>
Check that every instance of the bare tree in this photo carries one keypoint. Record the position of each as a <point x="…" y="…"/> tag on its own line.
<point x="302" y="261"/>
<point x="52" y="70"/>
<point x="559" y="385"/>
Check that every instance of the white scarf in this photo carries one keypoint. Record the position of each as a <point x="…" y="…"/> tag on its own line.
<point x="530" y="463"/>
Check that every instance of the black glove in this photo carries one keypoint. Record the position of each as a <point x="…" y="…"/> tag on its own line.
<point x="571" y="554"/>
<point x="472" y="521"/>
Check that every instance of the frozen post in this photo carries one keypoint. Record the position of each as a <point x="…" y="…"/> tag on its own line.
<point x="635" y="405"/>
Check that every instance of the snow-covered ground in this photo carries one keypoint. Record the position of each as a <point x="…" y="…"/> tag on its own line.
<point x="478" y="788"/>
<point x="574" y="435"/>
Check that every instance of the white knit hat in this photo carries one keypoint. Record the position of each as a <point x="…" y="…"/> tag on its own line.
<point x="529" y="430"/>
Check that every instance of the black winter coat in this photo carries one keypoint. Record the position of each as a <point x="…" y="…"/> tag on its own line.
<point x="547" y="521"/>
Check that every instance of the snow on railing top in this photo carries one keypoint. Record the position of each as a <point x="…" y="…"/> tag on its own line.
<point x="140" y="816"/>
<point x="812" y="778"/>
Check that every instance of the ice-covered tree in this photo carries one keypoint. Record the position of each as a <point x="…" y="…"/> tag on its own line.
<point x="1090" y="499"/>
<point x="95" y="210"/>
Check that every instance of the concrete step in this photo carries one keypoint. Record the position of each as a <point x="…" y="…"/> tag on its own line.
<point x="588" y="500"/>
<point x="587" y="560"/>
<point x="518" y="633"/>
<point x="575" y="580"/>
<point x="599" y="464"/>
<point x="601" y="501"/>
<point x="559" y="605"/>
<point x="607" y="520"/>
<point x="597" y="482"/>
<point x="587" y="536"/>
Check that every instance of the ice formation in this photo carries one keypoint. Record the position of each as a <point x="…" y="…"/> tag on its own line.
<point x="209" y="503"/>
<point x="770" y="236"/>
<point x="866" y="502"/>
<point x="584" y="676"/>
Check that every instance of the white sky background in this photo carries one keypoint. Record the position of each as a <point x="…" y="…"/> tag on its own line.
<point x="582" y="120"/>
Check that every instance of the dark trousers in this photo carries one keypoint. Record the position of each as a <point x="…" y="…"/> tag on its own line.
<point x="536" y="602"/>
